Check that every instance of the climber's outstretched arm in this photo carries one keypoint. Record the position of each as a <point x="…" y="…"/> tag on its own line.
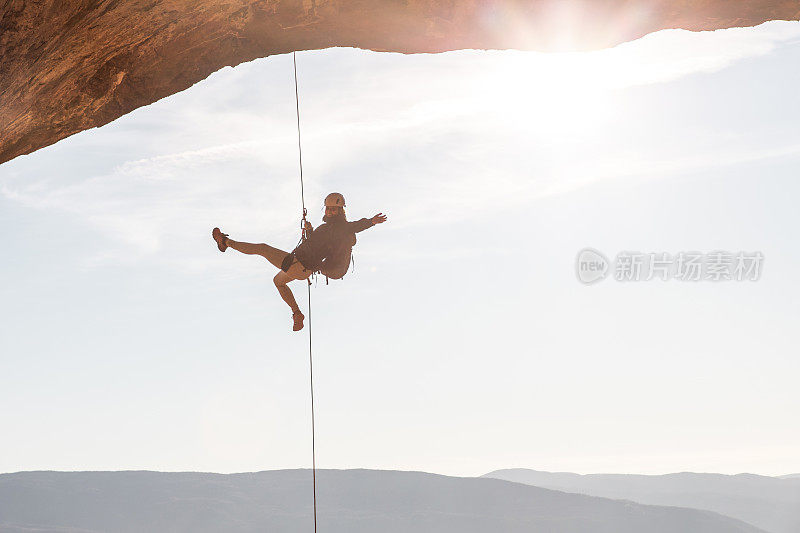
<point x="364" y="223"/>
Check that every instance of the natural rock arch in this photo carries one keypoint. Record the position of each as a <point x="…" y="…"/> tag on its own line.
<point x="71" y="65"/>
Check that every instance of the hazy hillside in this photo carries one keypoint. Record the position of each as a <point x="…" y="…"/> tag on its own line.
<point x="350" y="501"/>
<point x="770" y="503"/>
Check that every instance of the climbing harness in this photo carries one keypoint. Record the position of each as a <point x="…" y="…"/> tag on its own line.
<point x="304" y="234"/>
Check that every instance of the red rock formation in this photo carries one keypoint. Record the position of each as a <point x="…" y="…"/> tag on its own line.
<point x="70" y="65"/>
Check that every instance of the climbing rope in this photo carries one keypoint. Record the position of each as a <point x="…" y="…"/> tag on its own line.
<point x="310" y="356"/>
<point x="313" y="444"/>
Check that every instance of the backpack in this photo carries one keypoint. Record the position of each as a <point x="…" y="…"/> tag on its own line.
<point x="337" y="262"/>
<point x="336" y="265"/>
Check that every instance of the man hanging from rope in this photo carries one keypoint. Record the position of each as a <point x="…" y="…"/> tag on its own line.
<point x="326" y="249"/>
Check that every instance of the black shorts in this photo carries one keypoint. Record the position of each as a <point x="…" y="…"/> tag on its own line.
<point x="287" y="262"/>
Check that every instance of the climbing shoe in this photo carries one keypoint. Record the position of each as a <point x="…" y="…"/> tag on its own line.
<point x="221" y="238"/>
<point x="298" y="318"/>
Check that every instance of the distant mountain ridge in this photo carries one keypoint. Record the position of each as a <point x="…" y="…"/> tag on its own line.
<point x="349" y="501"/>
<point x="770" y="503"/>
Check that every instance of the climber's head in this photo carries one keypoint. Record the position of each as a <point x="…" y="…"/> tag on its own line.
<point x="334" y="207"/>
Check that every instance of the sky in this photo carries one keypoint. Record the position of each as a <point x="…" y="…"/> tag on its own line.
<point x="463" y="341"/>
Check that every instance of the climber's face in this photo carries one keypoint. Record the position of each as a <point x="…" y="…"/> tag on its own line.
<point x="332" y="210"/>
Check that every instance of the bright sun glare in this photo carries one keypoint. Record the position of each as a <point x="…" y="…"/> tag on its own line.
<point x="560" y="92"/>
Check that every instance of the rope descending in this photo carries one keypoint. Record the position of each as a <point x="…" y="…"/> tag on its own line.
<point x="310" y="356"/>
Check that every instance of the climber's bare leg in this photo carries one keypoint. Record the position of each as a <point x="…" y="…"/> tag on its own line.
<point x="273" y="255"/>
<point x="296" y="271"/>
<point x="281" y="280"/>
